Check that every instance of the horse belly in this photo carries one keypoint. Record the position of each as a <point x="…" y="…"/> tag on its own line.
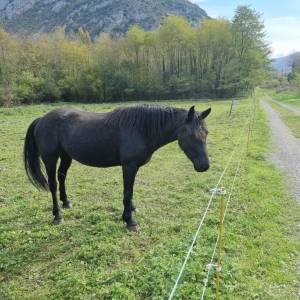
<point x="94" y="152"/>
<point x="97" y="161"/>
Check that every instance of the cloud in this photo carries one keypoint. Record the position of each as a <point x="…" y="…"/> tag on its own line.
<point x="283" y="34"/>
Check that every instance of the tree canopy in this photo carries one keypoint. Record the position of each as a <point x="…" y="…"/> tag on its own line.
<point x="218" y="58"/>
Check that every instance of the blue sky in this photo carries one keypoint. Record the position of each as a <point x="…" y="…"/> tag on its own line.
<point x="282" y="20"/>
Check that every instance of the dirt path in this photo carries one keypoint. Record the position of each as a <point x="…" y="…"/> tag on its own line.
<point x="289" y="107"/>
<point x="287" y="149"/>
<point x="287" y="155"/>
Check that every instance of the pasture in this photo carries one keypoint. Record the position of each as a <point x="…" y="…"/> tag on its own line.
<point x="288" y="97"/>
<point x="92" y="255"/>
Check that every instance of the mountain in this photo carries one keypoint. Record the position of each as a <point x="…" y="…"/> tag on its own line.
<point x="284" y="64"/>
<point x="96" y="16"/>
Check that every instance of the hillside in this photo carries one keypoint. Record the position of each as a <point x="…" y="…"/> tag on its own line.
<point x="284" y="64"/>
<point x="96" y="16"/>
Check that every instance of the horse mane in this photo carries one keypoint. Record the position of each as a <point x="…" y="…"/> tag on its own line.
<point x="150" y="120"/>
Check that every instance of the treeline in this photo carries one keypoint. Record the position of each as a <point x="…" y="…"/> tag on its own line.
<point x="285" y="82"/>
<point x="294" y="75"/>
<point x="219" y="58"/>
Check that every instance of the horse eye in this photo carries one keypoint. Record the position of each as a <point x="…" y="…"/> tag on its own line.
<point x="204" y="129"/>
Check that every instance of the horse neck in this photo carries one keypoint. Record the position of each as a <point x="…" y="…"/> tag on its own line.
<point x="169" y="131"/>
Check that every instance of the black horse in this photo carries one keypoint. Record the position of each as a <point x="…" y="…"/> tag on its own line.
<point x="125" y="137"/>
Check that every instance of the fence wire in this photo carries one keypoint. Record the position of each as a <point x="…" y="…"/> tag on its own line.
<point x="204" y="215"/>
<point x="248" y="126"/>
<point x="216" y="243"/>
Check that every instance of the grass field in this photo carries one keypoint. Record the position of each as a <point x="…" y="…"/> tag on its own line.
<point x="93" y="256"/>
<point x="291" y="119"/>
<point x="287" y="97"/>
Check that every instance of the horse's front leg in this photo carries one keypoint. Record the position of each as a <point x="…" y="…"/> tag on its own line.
<point x="129" y="173"/>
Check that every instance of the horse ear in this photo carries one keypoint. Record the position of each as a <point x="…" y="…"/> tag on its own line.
<point x="205" y="113"/>
<point x="191" y="114"/>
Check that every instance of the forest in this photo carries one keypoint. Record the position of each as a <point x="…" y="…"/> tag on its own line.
<point x="219" y="58"/>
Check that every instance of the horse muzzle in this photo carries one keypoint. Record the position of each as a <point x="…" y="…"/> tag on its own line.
<point x="201" y="167"/>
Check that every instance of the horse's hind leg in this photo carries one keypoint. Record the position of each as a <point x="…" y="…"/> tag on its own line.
<point x="65" y="163"/>
<point x="50" y="164"/>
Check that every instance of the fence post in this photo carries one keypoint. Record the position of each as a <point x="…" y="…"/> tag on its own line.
<point x="231" y="106"/>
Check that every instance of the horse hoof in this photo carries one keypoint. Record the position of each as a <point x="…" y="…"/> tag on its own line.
<point x="57" y="221"/>
<point x="67" y="205"/>
<point x="132" y="227"/>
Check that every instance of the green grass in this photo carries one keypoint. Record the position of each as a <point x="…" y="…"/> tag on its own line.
<point x="291" y="119"/>
<point x="289" y="97"/>
<point x="93" y="256"/>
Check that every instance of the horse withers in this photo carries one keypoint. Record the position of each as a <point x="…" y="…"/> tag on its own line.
<point x="125" y="137"/>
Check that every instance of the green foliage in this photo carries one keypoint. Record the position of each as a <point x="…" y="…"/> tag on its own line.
<point x="295" y="80"/>
<point x="252" y="50"/>
<point x="28" y="87"/>
<point x="218" y="58"/>
<point x="294" y="76"/>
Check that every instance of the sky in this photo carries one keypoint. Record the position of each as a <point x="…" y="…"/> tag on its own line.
<point x="281" y="18"/>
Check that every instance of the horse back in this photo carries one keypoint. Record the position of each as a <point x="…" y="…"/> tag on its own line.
<point x="84" y="136"/>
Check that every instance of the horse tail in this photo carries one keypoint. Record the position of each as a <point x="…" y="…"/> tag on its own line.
<point x="32" y="161"/>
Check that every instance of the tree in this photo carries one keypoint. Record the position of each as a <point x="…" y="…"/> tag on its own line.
<point x="215" y="55"/>
<point x="250" y="46"/>
<point x="294" y="75"/>
<point x="8" y="56"/>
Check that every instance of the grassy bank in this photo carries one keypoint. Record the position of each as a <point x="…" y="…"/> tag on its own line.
<point x="93" y="256"/>
<point x="291" y="119"/>
<point x="288" y="97"/>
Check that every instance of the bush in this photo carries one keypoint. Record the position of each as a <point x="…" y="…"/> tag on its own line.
<point x="7" y="96"/>
<point x="29" y="88"/>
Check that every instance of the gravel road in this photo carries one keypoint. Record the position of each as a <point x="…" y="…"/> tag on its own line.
<point x="287" y="155"/>
<point x="287" y="149"/>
